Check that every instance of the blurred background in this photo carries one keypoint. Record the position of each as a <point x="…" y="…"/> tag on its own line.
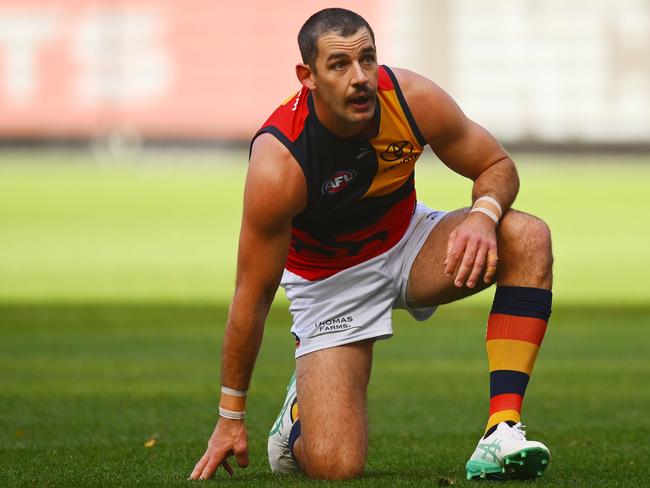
<point x="547" y="72"/>
<point x="95" y="94"/>
<point x="124" y="130"/>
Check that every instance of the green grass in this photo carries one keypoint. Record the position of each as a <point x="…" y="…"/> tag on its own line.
<point x="114" y="284"/>
<point x="77" y="231"/>
<point x="83" y="387"/>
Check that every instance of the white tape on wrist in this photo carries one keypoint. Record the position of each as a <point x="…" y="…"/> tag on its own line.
<point x="491" y="200"/>
<point x="487" y="212"/>
<point x="233" y="392"/>
<point x="231" y="414"/>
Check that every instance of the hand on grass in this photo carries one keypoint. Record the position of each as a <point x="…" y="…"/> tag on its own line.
<point x="472" y="248"/>
<point x="229" y="438"/>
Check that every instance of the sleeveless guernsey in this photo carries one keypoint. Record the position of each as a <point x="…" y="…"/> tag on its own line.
<point x="360" y="192"/>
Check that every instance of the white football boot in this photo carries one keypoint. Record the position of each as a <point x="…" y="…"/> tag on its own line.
<point x="280" y="457"/>
<point x="506" y="454"/>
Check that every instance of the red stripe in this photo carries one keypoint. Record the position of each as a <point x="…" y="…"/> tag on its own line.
<point x="517" y="328"/>
<point x="506" y="401"/>
<point x="315" y="266"/>
<point x="290" y="117"/>
<point x="383" y="80"/>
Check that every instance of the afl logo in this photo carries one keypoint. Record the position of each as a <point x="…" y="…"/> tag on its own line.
<point x="397" y="150"/>
<point x="339" y="181"/>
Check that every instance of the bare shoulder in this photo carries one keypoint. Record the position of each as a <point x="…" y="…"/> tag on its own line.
<point x="275" y="184"/>
<point x="416" y="85"/>
<point x="269" y="154"/>
<point x="436" y="113"/>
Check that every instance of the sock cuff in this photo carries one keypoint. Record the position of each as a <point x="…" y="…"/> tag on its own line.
<point x="523" y="301"/>
<point x="294" y="433"/>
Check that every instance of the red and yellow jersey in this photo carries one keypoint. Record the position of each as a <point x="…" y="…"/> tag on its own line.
<point x="361" y="192"/>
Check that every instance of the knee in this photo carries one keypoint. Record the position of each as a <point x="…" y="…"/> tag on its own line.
<point x="526" y="231"/>
<point x="333" y="464"/>
<point x="525" y="243"/>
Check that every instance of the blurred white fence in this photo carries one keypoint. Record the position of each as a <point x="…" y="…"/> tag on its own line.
<point x="549" y="71"/>
<point x="535" y="70"/>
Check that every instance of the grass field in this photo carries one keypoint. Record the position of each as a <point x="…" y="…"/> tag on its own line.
<point x="114" y="286"/>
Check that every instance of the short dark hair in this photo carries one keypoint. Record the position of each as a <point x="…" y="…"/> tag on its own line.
<point x="338" y="20"/>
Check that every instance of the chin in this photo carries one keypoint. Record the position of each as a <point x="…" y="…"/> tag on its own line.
<point x="359" y="118"/>
<point x="364" y="116"/>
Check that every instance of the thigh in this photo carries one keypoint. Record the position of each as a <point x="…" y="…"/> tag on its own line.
<point x="332" y="388"/>
<point x="427" y="283"/>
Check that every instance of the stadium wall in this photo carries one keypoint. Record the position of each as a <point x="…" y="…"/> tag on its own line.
<point x="551" y="73"/>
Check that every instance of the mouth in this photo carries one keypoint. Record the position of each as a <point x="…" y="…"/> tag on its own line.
<point x="360" y="101"/>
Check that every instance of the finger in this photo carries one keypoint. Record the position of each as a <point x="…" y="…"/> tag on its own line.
<point x="491" y="268"/>
<point x="199" y="467"/>
<point x="450" y="245"/>
<point x="466" y="264"/>
<point x="226" y="465"/>
<point x="210" y="467"/>
<point x="242" y="458"/>
<point x="479" y="265"/>
<point x="454" y="251"/>
<point x="450" y="242"/>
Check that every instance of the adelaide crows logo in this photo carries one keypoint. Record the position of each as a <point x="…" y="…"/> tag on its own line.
<point x="397" y="150"/>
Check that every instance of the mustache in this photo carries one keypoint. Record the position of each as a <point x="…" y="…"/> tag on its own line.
<point x="363" y="92"/>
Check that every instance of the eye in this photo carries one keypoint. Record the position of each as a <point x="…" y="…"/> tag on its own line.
<point x="338" y="65"/>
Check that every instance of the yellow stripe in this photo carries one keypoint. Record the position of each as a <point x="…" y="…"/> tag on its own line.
<point x="398" y="121"/>
<point x="289" y="98"/>
<point x="511" y="355"/>
<point x="502" y="416"/>
<point x="394" y="128"/>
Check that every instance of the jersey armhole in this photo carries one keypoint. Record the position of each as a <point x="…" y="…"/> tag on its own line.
<point x="270" y="129"/>
<point x="405" y="108"/>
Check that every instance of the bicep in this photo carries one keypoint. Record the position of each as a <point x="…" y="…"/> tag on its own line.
<point x="469" y="149"/>
<point x="274" y="193"/>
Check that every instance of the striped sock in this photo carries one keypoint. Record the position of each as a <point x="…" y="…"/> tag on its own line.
<point x="515" y="331"/>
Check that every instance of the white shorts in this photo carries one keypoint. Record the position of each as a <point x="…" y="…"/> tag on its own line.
<point x="356" y="303"/>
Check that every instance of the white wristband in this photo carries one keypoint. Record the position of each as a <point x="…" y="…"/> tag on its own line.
<point x="233" y="392"/>
<point x="487" y="212"/>
<point x="491" y="200"/>
<point x="231" y="414"/>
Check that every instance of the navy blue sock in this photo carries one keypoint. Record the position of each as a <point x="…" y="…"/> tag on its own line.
<point x="294" y="434"/>
<point x="523" y="301"/>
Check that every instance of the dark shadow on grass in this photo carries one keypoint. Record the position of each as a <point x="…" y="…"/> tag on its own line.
<point x="25" y="314"/>
<point x="62" y="314"/>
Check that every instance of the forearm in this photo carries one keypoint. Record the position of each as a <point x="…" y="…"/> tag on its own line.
<point x="243" y="337"/>
<point x="500" y="181"/>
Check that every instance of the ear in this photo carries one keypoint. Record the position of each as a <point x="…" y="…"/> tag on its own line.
<point x="305" y="76"/>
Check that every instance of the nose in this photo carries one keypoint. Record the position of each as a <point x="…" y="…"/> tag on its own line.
<point x="359" y="76"/>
